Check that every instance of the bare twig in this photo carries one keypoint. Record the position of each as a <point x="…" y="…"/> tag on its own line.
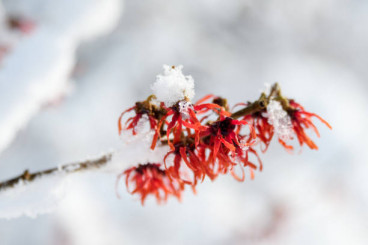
<point x="67" y="168"/>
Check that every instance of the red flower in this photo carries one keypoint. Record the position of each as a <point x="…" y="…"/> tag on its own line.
<point x="183" y="114"/>
<point x="141" y="108"/>
<point x="227" y="147"/>
<point x="264" y="130"/>
<point x="250" y="164"/>
<point x="226" y="132"/>
<point x="133" y="121"/>
<point x="223" y="163"/>
<point x="176" y="124"/>
<point x="149" y="179"/>
<point x="186" y="152"/>
<point x="302" y="120"/>
<point x="224" y="144"/>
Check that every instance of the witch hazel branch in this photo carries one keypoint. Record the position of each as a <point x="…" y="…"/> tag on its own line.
<point x="202" y="139"/>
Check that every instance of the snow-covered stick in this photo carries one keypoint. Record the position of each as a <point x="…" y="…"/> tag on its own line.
<point x="67" y="168"/>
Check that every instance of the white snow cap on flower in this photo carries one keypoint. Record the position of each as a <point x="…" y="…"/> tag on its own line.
<point x="280" y="120"/>
<point x="173" y="86"/>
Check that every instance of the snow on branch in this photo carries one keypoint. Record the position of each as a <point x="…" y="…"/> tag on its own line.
<point x="28" y="177"/>
<point x="36" y="193"/>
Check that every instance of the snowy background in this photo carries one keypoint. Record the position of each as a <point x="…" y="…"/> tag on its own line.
<point x="64" y="84"/>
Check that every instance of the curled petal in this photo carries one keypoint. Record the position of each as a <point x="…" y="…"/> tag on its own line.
<point x="241" y="179"/>
<point x="207" y="97"/>
<point x="120" y="127"/>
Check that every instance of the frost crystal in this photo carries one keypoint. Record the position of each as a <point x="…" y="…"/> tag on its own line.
<point x="173" y="86"/>
<point x="280" y="120"/>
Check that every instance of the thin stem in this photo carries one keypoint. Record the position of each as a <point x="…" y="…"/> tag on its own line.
<point x="254" y="107"/>
<point x="262" y="102"/>
<point x="67" y="168"/>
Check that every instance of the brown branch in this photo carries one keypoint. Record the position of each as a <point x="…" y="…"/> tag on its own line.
<point x="254" y="107"/>
<point x="261" y="104"/>
<point x="67" y="168"/>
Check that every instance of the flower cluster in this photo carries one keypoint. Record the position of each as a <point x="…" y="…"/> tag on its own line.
<point x="149" y="179"/>
<point x="206" y="139"/>
<point x="275" y="114"/>
<point x="302" y="120"/>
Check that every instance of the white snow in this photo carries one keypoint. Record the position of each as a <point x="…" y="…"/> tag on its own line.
<point x="173" y="86"/>
<point x="280" y="120"/>
<point x="30" y="77"/>
<point x="38" y="69"/>
<point x="136" y="150"/>
<point x="87" y="219"/>
<point x="32" y="199"/>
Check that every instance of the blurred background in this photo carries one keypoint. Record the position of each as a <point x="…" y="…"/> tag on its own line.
<point x="69" y="68"/>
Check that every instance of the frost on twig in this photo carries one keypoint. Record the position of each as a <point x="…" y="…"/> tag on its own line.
<point x="32" y="194"/>
<point x="68" y="168"/>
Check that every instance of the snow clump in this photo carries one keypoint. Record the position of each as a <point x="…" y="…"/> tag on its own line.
<point x="173" y="86"/>
<point x="280" y="120"/>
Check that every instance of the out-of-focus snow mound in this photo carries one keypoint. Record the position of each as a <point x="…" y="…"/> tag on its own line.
<point x="37" y="70"/>
<point x="316" y="50"/>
